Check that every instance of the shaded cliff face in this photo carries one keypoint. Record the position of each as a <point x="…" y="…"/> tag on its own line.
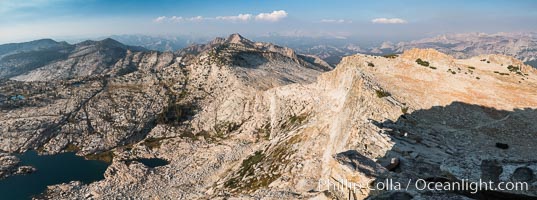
<point x="240" y="119"/>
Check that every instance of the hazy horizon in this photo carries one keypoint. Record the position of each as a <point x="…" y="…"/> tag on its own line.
<point x="277" y="39"/>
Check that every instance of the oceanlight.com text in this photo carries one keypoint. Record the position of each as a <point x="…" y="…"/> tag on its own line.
<point x="422" y="185"/>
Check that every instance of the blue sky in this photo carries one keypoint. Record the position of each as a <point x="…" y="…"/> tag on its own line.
<point x="22" y="20"/>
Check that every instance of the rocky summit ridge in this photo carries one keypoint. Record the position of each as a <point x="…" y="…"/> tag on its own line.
<point x="47" y="60"/>
<point x="249" y="120"/>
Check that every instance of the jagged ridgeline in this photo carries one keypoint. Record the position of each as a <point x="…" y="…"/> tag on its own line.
<point x="235" y="118"/>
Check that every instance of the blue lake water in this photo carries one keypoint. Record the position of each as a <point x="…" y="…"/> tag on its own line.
<point x="152" y="162"/>
<point x="51" y="169"/>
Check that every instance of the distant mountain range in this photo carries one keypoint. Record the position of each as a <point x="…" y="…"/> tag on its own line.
<point x="159" y="43"/>
<point x="520" y="45"/>
<point x="35" y="58"/>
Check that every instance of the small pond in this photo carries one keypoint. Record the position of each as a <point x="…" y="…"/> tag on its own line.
<point x="51" y="169"/>
<point x="152" y="162"/>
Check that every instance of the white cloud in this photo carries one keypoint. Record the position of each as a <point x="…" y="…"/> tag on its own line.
<point x="176" y="19"/>
<point x="197" y="18"/>
<point x="389" y="21"/>
<point x="240" y="17"/>
<point x="160" y="19"/>
<point x="272" y="17"/>
<point x="335" y="21"/>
